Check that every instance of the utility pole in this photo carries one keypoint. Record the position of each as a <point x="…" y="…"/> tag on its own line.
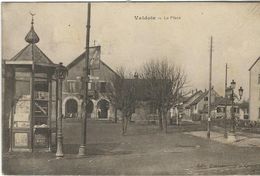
<point x="209" y="99"/>
<point x="82" y="148"/>
<point x="225" y="120"/>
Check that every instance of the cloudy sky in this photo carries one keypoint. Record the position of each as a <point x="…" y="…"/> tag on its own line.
<point x="183" y="39"/>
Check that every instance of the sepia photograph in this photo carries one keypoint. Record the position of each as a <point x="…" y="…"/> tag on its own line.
<point x="130" y="88"/>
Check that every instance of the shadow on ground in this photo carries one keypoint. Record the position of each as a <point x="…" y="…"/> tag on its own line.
<point x="95" y="149"/>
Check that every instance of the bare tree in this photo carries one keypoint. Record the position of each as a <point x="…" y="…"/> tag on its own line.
<point x="122" y="96"/>
<point x="163" y="84"/>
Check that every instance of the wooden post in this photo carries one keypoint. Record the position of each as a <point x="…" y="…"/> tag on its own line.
<point x="210" y="87"/>
<point x="32" y="103"/>
<point x="82" y="148"/>
<point x="12" y="112"/>
<point x="50" y="110"/>
<point x="56" y="115"/>
<point x="225" y="120"/>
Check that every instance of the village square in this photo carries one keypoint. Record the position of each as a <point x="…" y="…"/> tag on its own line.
<point x="95" y="89"/>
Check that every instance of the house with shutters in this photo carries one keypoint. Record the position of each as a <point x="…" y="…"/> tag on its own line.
<point x="223" y="106"/>
<point x="99" y="106"/>
<point x="254" y="91"/>
<point x="187" y="102"/>
<point x="198" y="106"/>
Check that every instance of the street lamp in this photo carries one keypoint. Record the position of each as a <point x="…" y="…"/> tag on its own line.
<point x="60" y="74"/>
<point x="240" y="91"/>
<point x="233" y="84"/>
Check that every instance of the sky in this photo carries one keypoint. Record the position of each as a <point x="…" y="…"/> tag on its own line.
<point x="180" y="33"/>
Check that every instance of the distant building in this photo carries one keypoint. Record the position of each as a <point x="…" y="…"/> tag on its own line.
<point x="198" y="106"/>
<point x="254" y="91"/>
<point x="221" y="105"/>
<point x="187" y="102"/>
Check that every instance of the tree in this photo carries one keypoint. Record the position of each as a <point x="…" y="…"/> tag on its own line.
<point x="163" y="83"/>
<point x="122" y="96"/>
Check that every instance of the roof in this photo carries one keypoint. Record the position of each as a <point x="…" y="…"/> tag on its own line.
<point x="32" y="37"/>
<point x="29" y="55"/>
<point x="140" y="88"/>
<point x="199" y="98"/>
<point x="92" y="51"/>
<point x="188" y="98"/>
<point x="254" y="64"/>
<point x="92" y="54"/>
<point x="222" y="101"/>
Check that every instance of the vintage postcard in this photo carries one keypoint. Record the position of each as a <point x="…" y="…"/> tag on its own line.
<point x="130" y="88"/>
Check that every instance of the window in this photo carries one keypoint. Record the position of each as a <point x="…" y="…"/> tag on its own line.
<point x="236" y="110"/>
<point x="89" y="86"/>
<point x="103" y="87"/>
<point x="73" y="86"/>
<point x="206" y="98"/>
<point x="258" y="78"/>
<point x="220" y="109"/>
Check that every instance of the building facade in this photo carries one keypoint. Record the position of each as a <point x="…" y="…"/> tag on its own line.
<point x="187" y="102"/>
<point x="99" y="79"/>
<point x="254" y="91"/>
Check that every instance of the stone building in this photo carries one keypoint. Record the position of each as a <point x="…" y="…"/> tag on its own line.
<point x="100" y="78"/>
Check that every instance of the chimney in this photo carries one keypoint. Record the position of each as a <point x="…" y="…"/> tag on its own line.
<point x="192" y="92"/>
<point x="205" y="90"/>
<point x="196" y="90"/>
<point x="136" y="75"/>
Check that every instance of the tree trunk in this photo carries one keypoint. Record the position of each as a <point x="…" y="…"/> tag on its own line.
<point x="126" y="123"/>
<point x="115" y="115"/>
<point x="160" y="120"/>
<point x="123" y="124"/>
<point x="165" y="122"/>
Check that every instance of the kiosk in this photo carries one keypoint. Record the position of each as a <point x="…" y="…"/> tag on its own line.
<point x="33" y="101"/>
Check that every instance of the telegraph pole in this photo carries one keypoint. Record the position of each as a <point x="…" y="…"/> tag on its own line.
<point x="82" y="148"/>
<point x="209" y="99"/>
<point x="225" y="120"/>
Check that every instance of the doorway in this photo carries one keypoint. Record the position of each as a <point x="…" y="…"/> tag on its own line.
<point x="102" y="107"/>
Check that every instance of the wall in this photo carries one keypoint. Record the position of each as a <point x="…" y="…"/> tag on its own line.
<point x="187" y="111"/>
<point x="202" y="103"/>
<point x="99" y="75"/>
<point x="7" y="94"/>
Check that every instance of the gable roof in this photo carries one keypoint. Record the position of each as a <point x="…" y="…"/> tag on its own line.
<point x="91" y="55"/>
<point x="222" y="101"/>
<point x="197" y="100"/>
<point x="82" y="56"/>
<point x="254" y="64"/>
<point x="193" y="95"/>
<point x="29" y="55"/>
